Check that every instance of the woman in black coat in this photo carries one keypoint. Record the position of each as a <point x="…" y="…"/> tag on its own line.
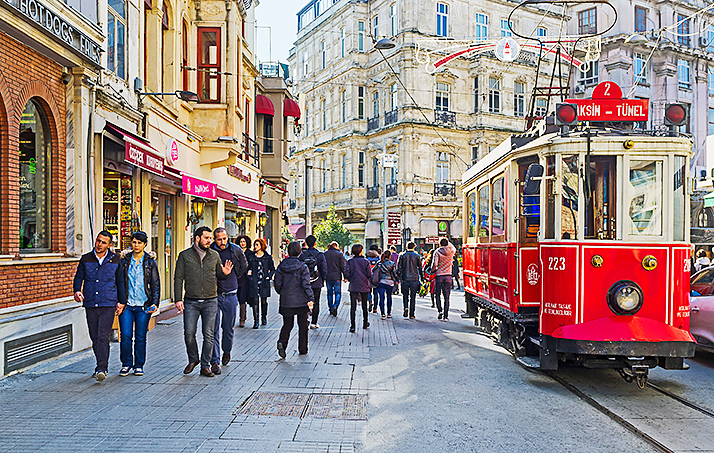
<point x="243" y="286"/>
<point x="260" y="270"/>
<point x="292" y="282"/>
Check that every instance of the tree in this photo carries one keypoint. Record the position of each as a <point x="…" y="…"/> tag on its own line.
<point x="332" y="229"/>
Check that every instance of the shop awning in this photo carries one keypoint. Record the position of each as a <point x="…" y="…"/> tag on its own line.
<point x="248" y="203"/>
<point x="224" y="195"/>
<point x="138" y="151"/>
<point x="428" y="227"/>
<point x="290" y="108"/>
<point x="372" y="229"/>
<point x="297" y="230"/>
<point x="709" y="200"/>
<point x="264" y="105"/>
<point x="456" y="228"/>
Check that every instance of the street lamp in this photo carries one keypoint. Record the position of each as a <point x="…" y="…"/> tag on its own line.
<point x="636" y="39"/>
<point x="385" y="44"/>
<point x="188" y="96"/>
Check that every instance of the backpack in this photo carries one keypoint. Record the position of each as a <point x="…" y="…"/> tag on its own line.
<point x="311" y="263"/>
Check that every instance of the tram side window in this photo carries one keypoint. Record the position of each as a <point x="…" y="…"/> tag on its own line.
<point x="498" y="209"/>
<point x="484" y="210"/>
<point x="569" y="218"/>
<point x="645" y="203"/>
<point x="472" y="216"/>
<point x="678" y="198"/>
<point x="529" y="215"/>
<point x="550" y="198"/>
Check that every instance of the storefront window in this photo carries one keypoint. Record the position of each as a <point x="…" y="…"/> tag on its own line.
<point x="645" y="204"/>
<point x="35" y="148"/>
<point x="569" y="216"/>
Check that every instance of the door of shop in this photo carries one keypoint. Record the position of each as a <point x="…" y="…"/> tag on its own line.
<point x="162" y="242"/>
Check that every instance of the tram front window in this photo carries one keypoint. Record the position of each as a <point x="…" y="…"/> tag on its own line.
<point x="644" y="207"/>
<point x="600" y="198"/>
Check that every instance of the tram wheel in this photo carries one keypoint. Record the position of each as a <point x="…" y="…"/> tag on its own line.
<point x="641" y="380"/>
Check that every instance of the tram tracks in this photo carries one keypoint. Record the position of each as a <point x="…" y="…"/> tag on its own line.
<point x="656" y="439"/>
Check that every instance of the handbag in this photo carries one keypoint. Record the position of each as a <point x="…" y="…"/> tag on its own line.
<point x="376" y="276"/>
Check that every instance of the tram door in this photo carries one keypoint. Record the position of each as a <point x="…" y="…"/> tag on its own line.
<point x="600" y="198"/>
<point x="528" y="225"/>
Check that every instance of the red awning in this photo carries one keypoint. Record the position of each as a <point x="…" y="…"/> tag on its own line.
<point x="264" y="105"/>
<point x="290" y="108"/>
<point x="297" y="230"/>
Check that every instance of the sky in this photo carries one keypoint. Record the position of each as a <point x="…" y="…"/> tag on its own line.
<point x="281" y="17"/>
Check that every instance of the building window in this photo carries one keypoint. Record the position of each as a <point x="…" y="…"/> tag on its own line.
<point x="375" y="172"/>
<point x="683" y="30"/>
<point x="324" y="175"/>
<point x="711" y="81"/>
<point x="442" y="167"/>
<point x="519" y="99"/>
<point x="116" y="25"/>
<point x="506" y="28"/>
<point x="305" y="70"/>
<point x="184" y="56"/>
<point x="442" y="19"/>
<point x="683" y="73"/>
<point x="342" y="42"/>
<point x="710" y="38"/>
<point x="393" y="19"/>
<point x="295" y="188"/>
<point x="343" y="96"/>
<point x="375" y="104"/>
<point x="87" y="8"/>
<point x="442" y="96"/>
<point x="323" y="54"/>
<point x="640" y="68"/>
<point x="360" y="103"/>
<point x="541" y="108"/>
<point x="209" y="64"/>
<point x="590" y="77"/>
<point x="393" y="97"/>
<point x="587" y="22"/>
<point x="640" y="19"/>
<point x="481" y="21"/>
<point x="360" y="169"/>
<point x="147" y="11"/>
<point x="541" y="31"/>
<point x="494" y="95"/>
<point x="476" y="99"/>
<point x="344" y="170"/>
<point x="323" y="107"/>
<point x="35" y="165"/>
<point x="711" y="121"/>
<point x="165" y="58"/>
<point x="307" y="122"/>
<point x="474" y="154"/>
<point x="375" y="27"/>
<point x="267" y="134"/>
<point x="360" y="35"/>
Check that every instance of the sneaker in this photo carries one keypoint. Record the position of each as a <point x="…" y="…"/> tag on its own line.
<point x="389" y="315"/>
<point x="375" y="310"/>
<point x="365" y="325"/>
<point x="138" y="371"/>
<point x="124" y="371"/>
<point x="440" y="315"/>
<point x="446" y="319"/>
<point x="216" y="369"/>
<point x="314" y="326"/>
<point x="352" y="329"/>
<point x="281" y="350"/>
<point x="101" y="375"/>
<point x="384" y="317"/>
<point x="412" y="317"/>
<point x="406" y="312"/>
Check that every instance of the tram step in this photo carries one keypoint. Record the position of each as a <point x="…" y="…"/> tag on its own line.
<point x="529" y="361"/>
<point x="535" y="341"/>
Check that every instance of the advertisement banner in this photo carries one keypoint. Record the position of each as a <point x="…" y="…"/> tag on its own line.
<point x="199" y="188"/>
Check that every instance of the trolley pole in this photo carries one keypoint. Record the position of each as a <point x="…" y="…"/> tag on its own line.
<point x="384" y="194"/>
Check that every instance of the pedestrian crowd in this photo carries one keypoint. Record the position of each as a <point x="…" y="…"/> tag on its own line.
<point x="215" y="280"/>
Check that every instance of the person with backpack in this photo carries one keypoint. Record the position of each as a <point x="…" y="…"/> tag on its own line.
<point x="442" y="263"/>
<point x="373" y="256"/>
<point x="292" y="282"/>
<point x="336" y="263"/>
<point x="316" y="264"/>
<point x="385" y="280"/>
<point x="409" y="271"/>
<point x="358" y="272"/>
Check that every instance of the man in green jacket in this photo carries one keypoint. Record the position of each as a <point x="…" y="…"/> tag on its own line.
<point x="198" y="269"/>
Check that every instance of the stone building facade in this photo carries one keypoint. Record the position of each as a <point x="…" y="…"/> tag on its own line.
<point x="356" y="108"/>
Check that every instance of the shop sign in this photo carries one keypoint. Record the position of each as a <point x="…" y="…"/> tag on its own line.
<point x="237" y="172"/>
<point x="172" y="152"/>
<point x="143" y="159"/>
<point x="394" y="228"/>
<point x="62" y="30"/>
<point x="443" y="227"/>
<point x="199" y="188"/>
<point x="431" y="240"/>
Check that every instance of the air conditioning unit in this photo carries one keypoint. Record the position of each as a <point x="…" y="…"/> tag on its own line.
<point x="579" y="89"/>
<point x="703" y="42"/>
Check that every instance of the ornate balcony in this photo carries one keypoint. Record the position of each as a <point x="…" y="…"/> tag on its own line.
<point x="373" y="123"/>
<point x="444" y="189"/>
<point x="251" y="151"/>
<point x="392" y="190"/>
<point x="390" y="117"/>
<point x="372" y="192"/>
<point x="444" y="117"/>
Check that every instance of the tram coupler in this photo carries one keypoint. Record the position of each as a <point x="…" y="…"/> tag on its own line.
<point x="635" y="370"/>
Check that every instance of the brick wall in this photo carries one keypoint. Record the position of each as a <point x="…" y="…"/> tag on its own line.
<point x="25" y="75"/>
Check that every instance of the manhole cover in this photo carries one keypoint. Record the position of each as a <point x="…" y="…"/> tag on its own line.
<point x="281" y="404"/>
<point x="342" y="407"/>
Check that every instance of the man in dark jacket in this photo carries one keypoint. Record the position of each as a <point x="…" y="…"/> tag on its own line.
<point x="336" y="263"/>
<point x="316" y="264"/>
<point x="227" y="298"/>
<point x="409" y="271"/>
<point x="199" y="268"/>
<point x="99" y="284"/>
<point x="292" y="282"/>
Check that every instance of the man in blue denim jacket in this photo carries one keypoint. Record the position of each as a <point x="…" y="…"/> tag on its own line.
<point x="99" y="284"/>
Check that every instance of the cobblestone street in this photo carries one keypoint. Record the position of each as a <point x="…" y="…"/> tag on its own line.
<point x="401" y="385"/>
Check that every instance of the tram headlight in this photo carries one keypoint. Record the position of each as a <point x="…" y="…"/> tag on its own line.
<point x="625" y="297"/>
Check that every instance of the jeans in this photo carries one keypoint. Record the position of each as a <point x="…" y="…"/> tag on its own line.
<point x="443" y="285"/>
<point x="207" y="311"/>
<point x="99" y="322"/>
<point x="288" y="323"/>
<point x="316" y="304"/>
<point x="139" y="317"/>
<point x="225" y="319"/>
<point x="334" y="294"/>
<point x="354" y="297"/>
<point x="409" y="293"/>
<point x="383" y="289"/>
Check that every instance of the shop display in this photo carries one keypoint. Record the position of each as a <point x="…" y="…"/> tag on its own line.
<point x="117" y="215"/>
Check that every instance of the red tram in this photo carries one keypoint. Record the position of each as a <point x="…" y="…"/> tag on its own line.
<point x="576" y="241"/>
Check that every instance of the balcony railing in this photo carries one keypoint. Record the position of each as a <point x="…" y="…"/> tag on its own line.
<point x="372" y="192"/>
<point x="392" y="190"/>
<point x="373" y="123"/>
<point x="444" y="189"/>
<point x="293" y="204"/>
<point x="390" y="117"/>
<point x="444" y="117"/>
<point x="251" y="151"/>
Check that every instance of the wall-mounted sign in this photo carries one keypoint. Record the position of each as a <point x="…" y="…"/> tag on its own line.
<point x="394" y="228"/>
<point x="136" y="155"/>
<point x="199" y="188"/>
<point x="172" y="152"/>
<point x="46" y="19"/>
<point x="237" y="172"/>
<point x="443" y="227"/>
<point x="431" y="240"/>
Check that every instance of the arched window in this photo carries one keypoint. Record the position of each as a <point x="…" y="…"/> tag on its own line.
<point x="35" y="149"/>
<point x="184" y="56"/>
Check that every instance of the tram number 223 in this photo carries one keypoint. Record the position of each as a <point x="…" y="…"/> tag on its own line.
<point x="556" y="263"/>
